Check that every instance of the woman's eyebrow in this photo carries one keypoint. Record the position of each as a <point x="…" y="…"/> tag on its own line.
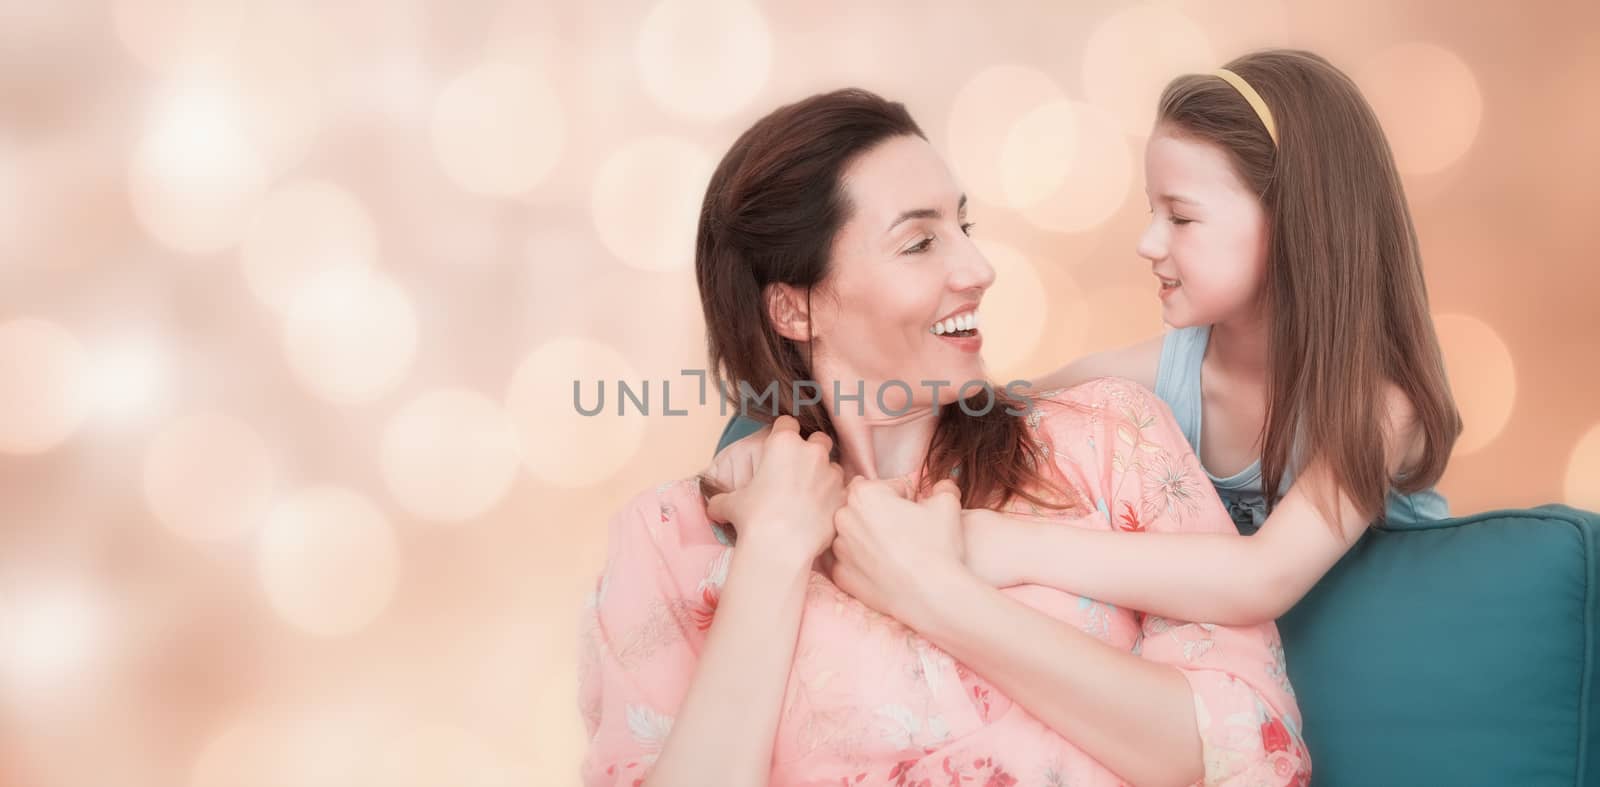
<point x="926" y="213"/>
<point x="919" y="213"/>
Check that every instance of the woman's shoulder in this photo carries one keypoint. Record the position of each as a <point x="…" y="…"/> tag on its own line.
<point x="1098" y="389"/>
<point x="1123" y="439"/>
<point x="1083" y="422"/>
<point x="671" y="512"/>
<point x="1089" y="402"/>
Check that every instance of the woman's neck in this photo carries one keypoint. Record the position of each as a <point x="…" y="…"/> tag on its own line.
<point x="874" y="443"/>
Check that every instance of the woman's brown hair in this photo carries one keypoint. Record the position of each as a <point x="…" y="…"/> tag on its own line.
<point x="770" y="215"/>
<point x="1344" y="298"/>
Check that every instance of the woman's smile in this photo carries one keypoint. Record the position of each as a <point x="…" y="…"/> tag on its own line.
<point x="960" y="330"/>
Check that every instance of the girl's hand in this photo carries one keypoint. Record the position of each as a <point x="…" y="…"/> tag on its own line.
<point x="998" y="547"/>
<point x="894" y="554"/>
<point x="733" y="467"/>
<point x="787" y="506"/>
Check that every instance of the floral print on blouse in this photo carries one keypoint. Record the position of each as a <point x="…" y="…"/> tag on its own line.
<point x="871" y="702"/>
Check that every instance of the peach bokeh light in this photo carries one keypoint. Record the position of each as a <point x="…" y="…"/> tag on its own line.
<point x="1037" y="154"/>
<point x="561" y="445"/>
<point x="43" y="375"/>
<point x="703" y="59"/>
<point x="300" y="230"/>
<point x="328" y="561"/>
<point x="130" y="376"/>
<point x="1582" y="485"/>
<point x="430" y="754"/>
<point x="1097" y="179"/>
<point x="340" y="747"/>
<point x="313" y="747"/>
<point x="350" y="335"/>
<point x="196" y="173"/>
<point x="1121" y="315"/>
<point x="13" y="209"/>
<point x="499" y="129"/>
<point x="209" y="476"/>
<point x="1236" y="26"/>
<point x="1483" y="377"/>
<point x="1428" y="101"/>
<point x="646" y="202"/>
<point x="1134" y="52"/>
<point x="449" y="455"/>
<point x="1014" y="310"/>
<point x="273" y="58"/>
<point x="57" y="634"/>
<point x="983" y="120"/>
<point x="239" y="756"/>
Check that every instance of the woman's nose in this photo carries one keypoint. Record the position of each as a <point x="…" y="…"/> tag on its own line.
<point x="972" y="271"/>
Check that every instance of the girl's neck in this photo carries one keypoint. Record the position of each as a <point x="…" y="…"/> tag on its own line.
<point x="1238" y="346"/>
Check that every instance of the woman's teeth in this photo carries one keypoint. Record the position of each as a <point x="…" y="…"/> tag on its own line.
<point x="1167" y="283"/>
<point x="962" y="325"/>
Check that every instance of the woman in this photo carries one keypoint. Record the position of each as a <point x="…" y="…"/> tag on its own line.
<point x="833" y="247"/>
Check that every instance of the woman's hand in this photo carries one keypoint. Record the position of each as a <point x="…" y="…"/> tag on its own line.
<point x="894" y="554"/>
<point x="787" y="506"/>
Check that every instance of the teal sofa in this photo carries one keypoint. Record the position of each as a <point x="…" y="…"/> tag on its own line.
<point x="1458" y="652"/>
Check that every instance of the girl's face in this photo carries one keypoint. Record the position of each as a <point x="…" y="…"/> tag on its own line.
<point x="904" y="282"/>
<point x="1207" y="238"/>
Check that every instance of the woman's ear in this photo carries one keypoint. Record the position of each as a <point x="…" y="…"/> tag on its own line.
<point x="790" y="311"/>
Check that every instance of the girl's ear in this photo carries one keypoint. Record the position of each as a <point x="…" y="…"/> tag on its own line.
<point x="789" y="311"/>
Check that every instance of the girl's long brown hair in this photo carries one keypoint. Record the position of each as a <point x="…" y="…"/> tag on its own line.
<point x="770" y="215"/>
<point x="1347" y="309"/>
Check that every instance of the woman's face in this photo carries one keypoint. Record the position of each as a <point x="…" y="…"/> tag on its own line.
<point x="901" y="297"/>
<point x="1207" y="238"/>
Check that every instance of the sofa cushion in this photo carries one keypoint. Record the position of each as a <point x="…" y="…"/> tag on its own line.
<point x="738" y="428"/>
<point x="1459" y="652"/>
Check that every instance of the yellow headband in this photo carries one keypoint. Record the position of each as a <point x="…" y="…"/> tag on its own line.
<point x="1254" y="98"/>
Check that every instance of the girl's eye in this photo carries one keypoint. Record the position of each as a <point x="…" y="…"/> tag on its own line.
<point x="922" y="246"/>
<point x="966" y="228"/>
<point x="1180" y="222"/>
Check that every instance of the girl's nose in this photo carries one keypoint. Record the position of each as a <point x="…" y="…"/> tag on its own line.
<point x="1153" y="241"/>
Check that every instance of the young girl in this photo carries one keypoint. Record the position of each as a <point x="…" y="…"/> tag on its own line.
<point x="1303" y="359"/>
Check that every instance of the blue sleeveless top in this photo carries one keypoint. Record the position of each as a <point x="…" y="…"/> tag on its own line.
<point x="1178" y="384"/>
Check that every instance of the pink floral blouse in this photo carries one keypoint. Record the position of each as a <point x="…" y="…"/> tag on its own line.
<point x="870" y="702"/>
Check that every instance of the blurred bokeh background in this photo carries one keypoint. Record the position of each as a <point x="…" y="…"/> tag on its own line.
<point x="292" y="295"/>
